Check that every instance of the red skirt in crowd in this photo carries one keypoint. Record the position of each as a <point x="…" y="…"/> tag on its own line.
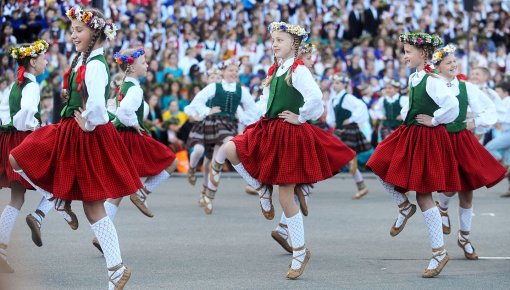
<point x="149" y="156"/>
<point x="8" y="141"/>
<point x="276" y="152"/>
<point x="477" y="167"/>
<point x="77" y="165"/>
<point x="417" y="158"/>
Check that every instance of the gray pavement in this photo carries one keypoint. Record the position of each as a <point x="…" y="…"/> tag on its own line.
<point x="182" y="248"/>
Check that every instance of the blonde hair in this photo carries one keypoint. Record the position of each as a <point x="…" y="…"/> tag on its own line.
<point x="296" y="44"/>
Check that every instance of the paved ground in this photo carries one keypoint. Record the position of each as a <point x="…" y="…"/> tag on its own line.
<point x="181" y="248"/>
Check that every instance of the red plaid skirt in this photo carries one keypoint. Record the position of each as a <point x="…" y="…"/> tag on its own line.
<point x="275" y="152"/>
<point x="477" y="167"/>
<point x="149" y="156"/>
<point x="417" y="158"/>
<point x="77" y="165"/>
<point x="8" y="141"/>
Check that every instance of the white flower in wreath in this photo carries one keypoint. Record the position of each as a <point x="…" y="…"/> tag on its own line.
<point x="14" y="54"/>
<point x="79" y="13"/>
<point x="110" y="31"/>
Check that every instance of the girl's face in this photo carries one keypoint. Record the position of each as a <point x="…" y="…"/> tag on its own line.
<point x="390" y="90"/>
<point x="139" y="67"/>
<point x="153" y="101"/>
<point x="175" y="87"/>
<point x="39" y="64"/>
<point x="282" y="44"/>
<point x="307" y="59"/>
<point x="413" y="56"/>
<point x="338" y="85"/>
<point x="231" y="73"/>
<point x="214" y="78"/>
<point x="81" y="35"/>
<point x="448" y="66"/>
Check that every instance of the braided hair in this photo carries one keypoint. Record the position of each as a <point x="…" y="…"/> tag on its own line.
<point x="295" y="44"/>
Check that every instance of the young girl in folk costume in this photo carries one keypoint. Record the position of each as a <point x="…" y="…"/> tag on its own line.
<point x="282" y="148"/>
<point x="346" y="113"/>
<point x="418" y="156"/>
<point x="20" y="118"/>
<point x="195" y="141"/>
<point x="387" y="109"/>
<point x="477" y="167"/>
<point x="83" y="156"/>
<point x="217" y="104"/>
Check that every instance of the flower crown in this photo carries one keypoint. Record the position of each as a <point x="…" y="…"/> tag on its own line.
<point x="343" y="78"/>
<point x="393" y="83"/>
<point x="129" y="59"/>
<point x="292" y="29"/>
<point x="421" y="39"/>
<point x="224" y="64"/>
<point x="442" y="53"/>
<point x="93" y="21"/>
<point x="213" y="71"/>
<point x="308" y="48"/>
<point x="35" y="49"/>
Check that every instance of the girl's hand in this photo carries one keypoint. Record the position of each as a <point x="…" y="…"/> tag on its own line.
<point x="289" y="117"/>
<point x="346" y="122"/>
<point x="399" y="118"/>
<point x="214" y="110"/>
<point x="139" y="129"/>
<point x="80" y="120"/>
<point x="424" y="120"/>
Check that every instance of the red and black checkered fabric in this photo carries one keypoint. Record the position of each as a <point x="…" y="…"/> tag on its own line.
<point x="477" y="167"/>
<point x="275" y="152"/>
<point x="77" y="165"/>
<point x="149" y="156"/>
<point x="8" y="141"/>
<point x="417" y="158"/>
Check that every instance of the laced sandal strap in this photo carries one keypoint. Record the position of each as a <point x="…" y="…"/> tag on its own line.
<point x="463" y="240"/>
<point x="143" y="198"/>
<point x="114" y="270"/>
<point x="438" y="252"/>
<point x="407" y="205"/>
<point x="58" y="204"/>
<point x="298" y="249"/>
<point x="209" y="193"/>
<point x="216" y="167"/>
<point x="40" y="213"/>
<point x="283" y="226"/>
<point x="300" y="255"/>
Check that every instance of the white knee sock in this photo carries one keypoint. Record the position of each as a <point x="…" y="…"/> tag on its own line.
<point x="220" y="156"/>
<point x="398" y="198"/>
<point x="106" y="234"/>
<point x="206" y="171"/>
<point x="198" y="151"/>
<point x="153" y="182"/>
<point x="246" y="176"/>
<point x="7" y="221"/>
<point x="357" y="176"/>
<point x="284" y="231"/>
<point x="465" y="219"/>
<point x="443" y="200"/>
<point x="297" y="234"/>
<point x="45" y="207"/>
<point x="435" y="231"/>
<point x="111" y="210"/>
<point x="43" y="192"/>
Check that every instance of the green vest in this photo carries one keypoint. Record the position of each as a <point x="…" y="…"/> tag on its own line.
<point x="75" y="100"/>
<point x="283" y="97"/>
<point x="419" y="103"/>
<point x="458" y="124"/>
<point x="341" y="114"/>
<point x="139" y="112"/>
<point x="392" y="111"/>
<point x="15" y="103"/>
<point x="227" y="101"/>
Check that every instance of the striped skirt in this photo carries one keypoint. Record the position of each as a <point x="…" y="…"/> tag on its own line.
<point x="352" y="136"/>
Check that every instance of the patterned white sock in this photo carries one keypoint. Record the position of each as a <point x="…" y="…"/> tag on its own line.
<point x="246" y="176"/>
<point x="7" y="222"/>
<point x="106" y="234"/>
<point x="220" y="156"/>
<point x="153" y="182"/>
<point x="283" y="231"/>
<point x="45" y="207"/>
<point x="43" y="192"/>
<point x="111" y="210"/>
<point x="435" y="231"/>
<point x="465" y="219"/>
<point x="297" y="234"/>
<point x="264" y="195"/>
<point x="398" y="198"/>
<point x="443" y="200"/>
<point x="357" y="176"/>
<point x="198" y="151"/>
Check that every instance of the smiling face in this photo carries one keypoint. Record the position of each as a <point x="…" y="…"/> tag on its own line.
<point x="413" y="56"/>
<point x="307" y="59"/>
<point x="81" y="35"/>
<point x="39" y="64"/>
<point x="282" y="44"/>
<point x="338" y="85"/>
<point x="231" y="73"/>
<point x="448" y="66"/>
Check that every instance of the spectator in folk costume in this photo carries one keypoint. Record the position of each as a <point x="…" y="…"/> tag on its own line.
<point x="387" y="108"/>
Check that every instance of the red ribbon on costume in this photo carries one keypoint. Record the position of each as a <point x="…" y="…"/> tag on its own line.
<point x="65" y="85"/>
<point x="271" y="70"/>
<point x="462" y="77"/>
<point x="117" y="91"/>
<point x="80" y="75"/>
<point x="297" y="63"/>
<point x="21" y="74"/>
<point x="428" y="69"/>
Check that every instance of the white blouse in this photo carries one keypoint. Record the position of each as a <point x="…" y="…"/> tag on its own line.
<point x="440" y="94"/>
<point x="126" y="112"/>
<point x="303" y="81"/>
<point x="380" y="111"/>
<point x="198" y="106"/>
<point x="96" y="79"/>
<point x="358" y="109"/>
<point x="25" y="119"/>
